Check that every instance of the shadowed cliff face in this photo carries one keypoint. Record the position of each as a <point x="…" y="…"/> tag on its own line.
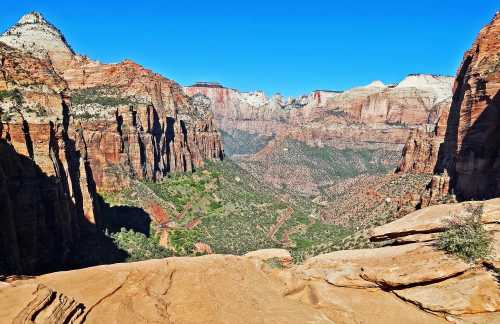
<point x="470" y="149"/>
<point x="475" y="166"/>
<point x="471" y="145"/>
<point x="465" y="142"/>
<point x="39" y="220"/>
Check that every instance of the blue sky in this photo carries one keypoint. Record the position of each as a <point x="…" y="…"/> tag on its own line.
<point x="291" y="47"/>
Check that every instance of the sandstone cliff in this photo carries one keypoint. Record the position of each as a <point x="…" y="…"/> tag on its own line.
<point x="358" y="286"/>
<point x="136" y="123"/>
<point x="48" y="196"/>
<point x="470" y="149"/>
<point x="464" y="143"/>
<point x="70" y="126"/>
<point x="366" y="115"/>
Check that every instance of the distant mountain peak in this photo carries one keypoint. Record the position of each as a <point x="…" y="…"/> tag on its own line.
<point x="376" y="84"/>
<point x="35" y="35"/>
<point x="33" y="17"/>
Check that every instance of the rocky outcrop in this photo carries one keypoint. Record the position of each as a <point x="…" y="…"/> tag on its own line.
<point x="138" y="124"/>
<point x="251" y="112"/>
<point x="263" y="287"/>
<point x="464" y="143"/>
<point x="419" y="153"/>
<point x="35" y="36"/>
<point x="135" y="123"/>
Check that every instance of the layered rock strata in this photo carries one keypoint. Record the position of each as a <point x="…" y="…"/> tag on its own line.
<point x="136" y="123"/>
<point x="70" y="126"/>
<point x="48" y="195"/>
<point x="376" y="113"/>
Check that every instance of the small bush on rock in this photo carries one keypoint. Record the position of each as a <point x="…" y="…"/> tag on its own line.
<point x="466" y="237"/>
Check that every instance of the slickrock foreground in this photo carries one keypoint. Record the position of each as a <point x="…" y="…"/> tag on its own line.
<point x="410" y="282"/>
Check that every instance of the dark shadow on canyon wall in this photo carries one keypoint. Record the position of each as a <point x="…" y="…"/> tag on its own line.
<point x="477" y="165"/>
<point x="447" y="150"/>
<point x="131" y="218"/>
<point x="43" y="230"/>
<point x="474" y="169"/>
<point x="97" y="248"/>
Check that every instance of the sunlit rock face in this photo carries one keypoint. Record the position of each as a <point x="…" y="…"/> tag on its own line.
<point x="136" y="123"/>
<point x="375" y="113"/>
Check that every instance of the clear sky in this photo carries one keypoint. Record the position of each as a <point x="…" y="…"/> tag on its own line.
<point x="291" y="47"/>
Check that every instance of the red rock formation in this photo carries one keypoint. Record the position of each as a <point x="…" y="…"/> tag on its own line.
<point x="465" y="142"/>
<point x="136" y="123"/>
<point x="252" y="112"/>
<point x="471" y="146"/>
<point x="419" y="153"/>
<point x="154" y="130"/>
<point x="375" y="113"/>
<point x="70" y="126"/>
<point x="47" y="196"/>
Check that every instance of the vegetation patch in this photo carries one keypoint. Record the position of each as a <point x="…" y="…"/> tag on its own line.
<point x="274" y="263"/>
<point x="139" y="246"/>
<point x="106" y="96"/>
<point x="306" y="170"/>
<point x="226" y="208"/>
<point x="11" y="95"/>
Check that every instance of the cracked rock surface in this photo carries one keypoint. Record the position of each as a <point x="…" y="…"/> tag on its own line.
<point x="404" y="283"/>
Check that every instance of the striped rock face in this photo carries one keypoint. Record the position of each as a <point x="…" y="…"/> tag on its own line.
<point x="72" y="127"/>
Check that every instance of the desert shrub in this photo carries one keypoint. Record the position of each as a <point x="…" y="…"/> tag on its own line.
<point x="11" y="94"/>
<point x="86" y="115"/>
<point x="465" y="235"/>
<point x="274" y="263"/>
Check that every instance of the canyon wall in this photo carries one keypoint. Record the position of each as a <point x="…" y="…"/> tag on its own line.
<point x="252" y="112"/>
<point x="464" y="145"/>
<point x="70" y="127"/>
<point x="47" y="195"/>
<point x="136" y="124"/>
<point x="374" y="114"/>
